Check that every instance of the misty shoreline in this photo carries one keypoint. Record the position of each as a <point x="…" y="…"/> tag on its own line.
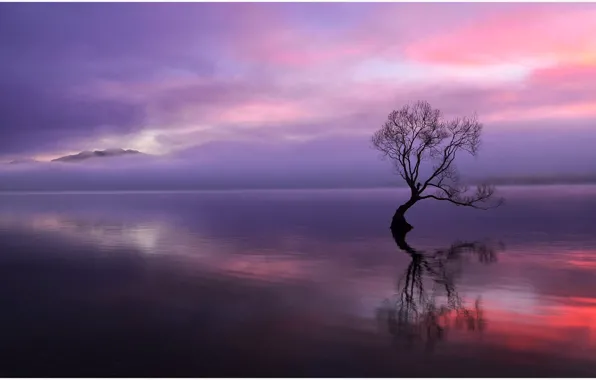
<point x="263" y="189"/>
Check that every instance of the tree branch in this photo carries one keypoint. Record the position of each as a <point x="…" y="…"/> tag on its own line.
<point x="417" y="133"/>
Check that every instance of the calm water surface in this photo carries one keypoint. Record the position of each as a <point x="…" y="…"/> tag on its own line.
<point x="296" y="283"/>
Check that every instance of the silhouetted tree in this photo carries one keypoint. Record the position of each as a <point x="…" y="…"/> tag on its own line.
<point x="418" y="133"/>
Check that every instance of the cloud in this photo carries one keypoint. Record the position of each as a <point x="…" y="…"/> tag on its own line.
<point x="533" y="34"/>
<point x="164" y="77"/>
<point x="38" y="119"/>
<point x="50" y="51"/>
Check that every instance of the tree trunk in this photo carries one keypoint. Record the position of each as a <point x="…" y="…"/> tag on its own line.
<point x="399" y="235"/>
<point x="399" y="223"/>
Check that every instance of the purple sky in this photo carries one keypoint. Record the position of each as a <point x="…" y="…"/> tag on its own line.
<point x="168" y="78"/>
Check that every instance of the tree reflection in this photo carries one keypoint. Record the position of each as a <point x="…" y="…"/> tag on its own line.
<point x="427" y="304"/>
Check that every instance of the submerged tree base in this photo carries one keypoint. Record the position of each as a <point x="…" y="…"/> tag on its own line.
<point x="399" y="223"/>
<point x="400" y="228"/>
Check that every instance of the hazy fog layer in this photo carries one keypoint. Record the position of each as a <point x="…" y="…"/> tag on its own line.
<point x="339" y="162"/>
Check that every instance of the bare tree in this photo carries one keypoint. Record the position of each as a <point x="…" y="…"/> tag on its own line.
<point x="416" y="136"/>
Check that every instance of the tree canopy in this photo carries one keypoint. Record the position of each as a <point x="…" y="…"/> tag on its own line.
<point x="418" y="134"/>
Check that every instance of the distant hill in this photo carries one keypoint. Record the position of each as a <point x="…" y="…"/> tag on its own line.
<point x="553" y="179"/>
<point x="23" y="161"/>
<point x="85" y="155"/>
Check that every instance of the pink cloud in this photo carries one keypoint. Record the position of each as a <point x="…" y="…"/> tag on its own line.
<point x="299" y="78"/>
<point x="562" y="91"/>
<point x="553" y="32"/>
<point x="574" y="77"/>
<point x="299" y="48"/>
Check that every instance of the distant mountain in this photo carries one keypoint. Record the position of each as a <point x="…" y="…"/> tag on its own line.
<point x="23" y="161"/>
<point x="85" y="155"/>
<point x="551" y="179"/>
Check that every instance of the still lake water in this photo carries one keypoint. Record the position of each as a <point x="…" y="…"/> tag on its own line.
<point x="296" y="283"/>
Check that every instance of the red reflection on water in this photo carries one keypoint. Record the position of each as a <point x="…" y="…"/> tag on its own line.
<point x="566" y="327"/>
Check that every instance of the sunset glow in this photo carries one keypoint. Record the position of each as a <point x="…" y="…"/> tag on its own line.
<point x="301" y="70"/>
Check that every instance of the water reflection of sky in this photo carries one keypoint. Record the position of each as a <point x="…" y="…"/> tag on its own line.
<point x="540" y="296"/>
